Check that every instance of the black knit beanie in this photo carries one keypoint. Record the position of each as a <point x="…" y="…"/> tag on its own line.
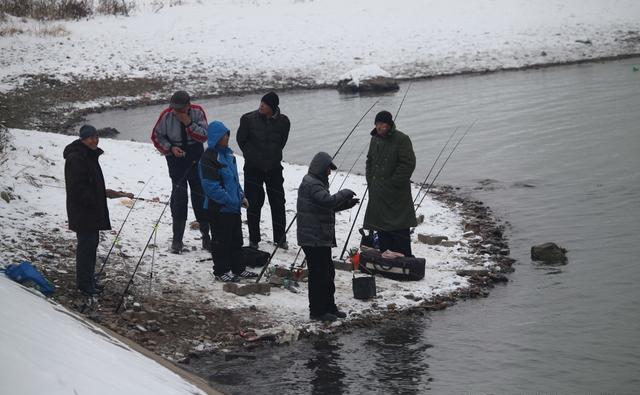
<point x="272" y="100"/>
<point x="385" y="117"/>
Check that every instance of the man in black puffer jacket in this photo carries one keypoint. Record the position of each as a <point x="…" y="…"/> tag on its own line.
<point x="316" y="234"/>
<point x="86" y="203"/>
<point x="262" y="136"/>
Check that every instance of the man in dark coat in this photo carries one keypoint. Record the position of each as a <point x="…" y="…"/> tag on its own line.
<point x="262" y="136"/>
<point x="390" y="164"/>
<point x="86" y="203"/>
<point x="316" y="234"/>
<point x="179" y="135"/>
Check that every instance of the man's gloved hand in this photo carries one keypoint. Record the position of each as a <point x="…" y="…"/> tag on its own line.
<point x="348" y="193"/>
<point x="245" y="203"/>
<point x="352" y="202"/>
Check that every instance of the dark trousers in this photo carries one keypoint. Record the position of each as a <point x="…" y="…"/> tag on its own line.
<point x="397" y="240"/>
<point x="321" y="276"/>
<point x="254" y="192"/>
<point x="226" y="247"/>
<point x="86" y="260"/>
<point x="184" y="171"/>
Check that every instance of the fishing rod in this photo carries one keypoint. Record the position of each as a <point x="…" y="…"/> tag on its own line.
<point x="352" y="166"/>
<point x="445" y="162"/>
<point x="151" y="200"/>
<point x="275" y="249"/>
<point x="395" y="117"/>
<point x="155" y="227"/>
<point x="106" y="259"/>
<point x="339" y="188"/>
<point x="354" y="128"/>
<point x="344" y="248"/>
<point x="434" y="164"/>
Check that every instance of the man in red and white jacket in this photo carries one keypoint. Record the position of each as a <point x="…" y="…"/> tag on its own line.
<point x="179" y="135"/>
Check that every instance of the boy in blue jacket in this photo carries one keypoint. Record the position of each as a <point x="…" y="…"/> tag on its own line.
<point x="223" y="199"/>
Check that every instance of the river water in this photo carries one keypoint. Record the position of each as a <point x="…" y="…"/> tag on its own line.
<point x="556" y="154"/>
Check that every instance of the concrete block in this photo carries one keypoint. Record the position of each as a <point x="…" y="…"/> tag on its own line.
<point x="340" y="265"/>
<point x="431" y="239"/>
<point x="246" y="289"/>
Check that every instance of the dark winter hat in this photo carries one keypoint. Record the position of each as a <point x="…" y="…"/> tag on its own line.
<point x="385" y="117"/>
<point x="179" y="100"/>
<point x="87" y="131"/>
<point x="272" y="100"/>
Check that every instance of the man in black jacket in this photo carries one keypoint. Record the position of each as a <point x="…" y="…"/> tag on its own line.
<point x="86" y="203"/>
<point x="262" y="136"/>
<point x="316" y="234"/>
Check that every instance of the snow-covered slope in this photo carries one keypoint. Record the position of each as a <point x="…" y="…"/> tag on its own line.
<point x="217" y="45"/>
<point x="46" y="349"/>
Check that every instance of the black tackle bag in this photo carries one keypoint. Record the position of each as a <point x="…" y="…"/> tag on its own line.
<point x="254" y="258"/>
<point x="403" y="269"/>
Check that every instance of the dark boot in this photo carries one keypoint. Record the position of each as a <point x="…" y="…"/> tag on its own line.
<point x="178" y="232"/>
<point x="206" y="238"/>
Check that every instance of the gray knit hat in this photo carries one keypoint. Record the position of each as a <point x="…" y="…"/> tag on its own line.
<point x="179" y="100"/>
<point x="87" y="131"/>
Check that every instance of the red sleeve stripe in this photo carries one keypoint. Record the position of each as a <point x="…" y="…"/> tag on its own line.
<point x="154" y="137"/>
<point x="196" y="136"/>
<point x="204" y="114"/>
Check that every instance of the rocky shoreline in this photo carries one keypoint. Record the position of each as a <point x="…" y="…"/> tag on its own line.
<point x="169" y="322"/>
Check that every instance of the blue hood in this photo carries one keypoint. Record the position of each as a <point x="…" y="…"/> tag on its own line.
<point x="215" y="131"/>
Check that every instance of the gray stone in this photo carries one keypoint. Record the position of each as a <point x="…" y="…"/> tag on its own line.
<point x="449" y="243"/>
<point x="276" y="280"/>
<point x="472" y="272"/>
<point x="549" y="253"/>
<point x="341" y="265"/>
<point x="246" y="289"/>
<point x="431" y="239"/>
<point x="108" y="132"/>
<point x="6" y="196"/>
<point x="375" y="84"/>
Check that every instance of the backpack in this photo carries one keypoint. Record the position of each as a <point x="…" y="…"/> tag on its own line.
<point x="26" y="274"/>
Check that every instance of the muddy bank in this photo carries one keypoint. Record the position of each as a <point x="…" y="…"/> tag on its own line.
<point x="47" y="103"/>
<point x="55" y="104"/>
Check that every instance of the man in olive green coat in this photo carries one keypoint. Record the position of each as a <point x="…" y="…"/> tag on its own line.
<point x="390" y="163"/>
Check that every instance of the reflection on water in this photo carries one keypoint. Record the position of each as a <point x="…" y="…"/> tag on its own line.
<point x="400" y="358"/>
<point x="328" y="377"/>
<point x="390" y="358"/>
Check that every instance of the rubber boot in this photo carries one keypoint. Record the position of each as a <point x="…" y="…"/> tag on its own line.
<point x="178" y="232"/>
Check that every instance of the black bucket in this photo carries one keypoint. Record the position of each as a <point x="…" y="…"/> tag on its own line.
<point x="364" y="287"/>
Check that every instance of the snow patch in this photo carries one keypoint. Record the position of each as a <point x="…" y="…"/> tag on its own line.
<point x="46" y="348"/>
<point x="363" y="73"/>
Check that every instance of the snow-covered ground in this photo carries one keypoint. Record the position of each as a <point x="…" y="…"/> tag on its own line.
<point x="215" y="44"/>
<point x="35" y="172"/>
<point x="46" y="349"/>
